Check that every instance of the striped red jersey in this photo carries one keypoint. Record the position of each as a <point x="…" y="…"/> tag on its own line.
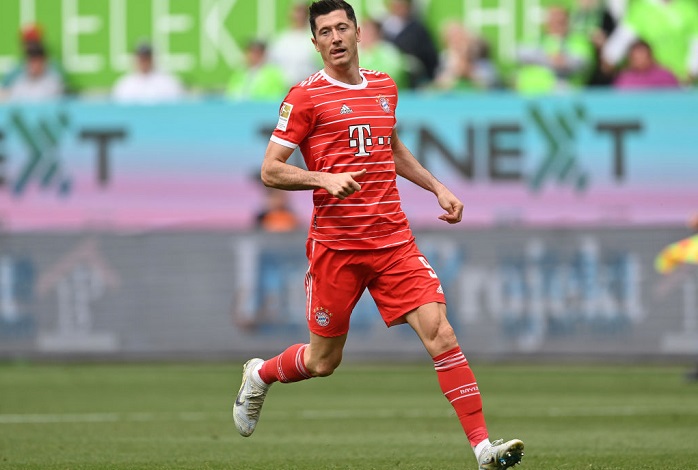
<point x="339" y="128"/>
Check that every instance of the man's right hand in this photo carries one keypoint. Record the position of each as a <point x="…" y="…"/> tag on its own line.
<point x="342" y="185"/>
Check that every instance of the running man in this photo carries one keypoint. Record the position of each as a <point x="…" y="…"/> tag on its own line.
<point x="343" y="120"/>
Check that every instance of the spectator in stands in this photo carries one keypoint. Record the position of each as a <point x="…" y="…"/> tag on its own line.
<point x="486" y="73"/>
<point x="379" y="54"/>
<point x="670" y="27"/>
<point x="147" y="85"/>
<point x="411" y="36"/>
<point x="36" y="78"/>
<point x="257" y="79"/>
<point x="560" y="60"/>
<point x="292" y="50"/>
<point x="464" y="61"/>
<point x="593" y="19"/>
<point x="643" y="71"/>
<point x="277" y="214"/>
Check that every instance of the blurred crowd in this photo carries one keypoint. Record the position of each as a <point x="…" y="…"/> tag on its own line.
<point x="623" y="44"/>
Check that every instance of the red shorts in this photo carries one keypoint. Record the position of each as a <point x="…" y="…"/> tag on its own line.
<point x="399" y="280"/>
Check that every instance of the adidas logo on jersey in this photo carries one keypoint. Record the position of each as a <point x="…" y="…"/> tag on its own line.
<point x="345" y="109"/>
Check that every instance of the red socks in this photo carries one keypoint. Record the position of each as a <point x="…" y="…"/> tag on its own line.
<point x="458" y="384"/>
<point x="456" y="379"/>
<point x="288" y="366"/>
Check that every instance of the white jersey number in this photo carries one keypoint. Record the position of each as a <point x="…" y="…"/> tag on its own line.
<point x="432" y="273"/>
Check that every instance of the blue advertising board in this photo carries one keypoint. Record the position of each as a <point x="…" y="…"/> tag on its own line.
<point x="595" y="158"/>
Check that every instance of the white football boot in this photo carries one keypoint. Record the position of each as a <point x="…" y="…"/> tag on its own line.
<point x="248" y="403"/>
<point x="501" y="455"/>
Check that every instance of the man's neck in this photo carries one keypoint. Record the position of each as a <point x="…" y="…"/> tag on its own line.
<point x="349" y="75"/>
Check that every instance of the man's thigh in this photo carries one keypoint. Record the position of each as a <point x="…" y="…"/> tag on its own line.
<point x="405" y="281"/>
<point x="334" y="283"/>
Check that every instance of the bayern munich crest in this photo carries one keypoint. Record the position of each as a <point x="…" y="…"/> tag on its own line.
<point x="385" y="104"/>
<point x="322" y="317"/>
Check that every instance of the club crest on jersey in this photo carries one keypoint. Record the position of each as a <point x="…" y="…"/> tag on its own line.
<point x="284" y="116"/>
<point x="385" y="104"/>
<point x="322" y="316"/>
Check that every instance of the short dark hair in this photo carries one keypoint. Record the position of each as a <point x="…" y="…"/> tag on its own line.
<point x="641" y="44"/>
<point x="325" y="7"/>
<point x="144" y="49"/>
<point x="258" y="44"/>
<point x="34" y="49"/>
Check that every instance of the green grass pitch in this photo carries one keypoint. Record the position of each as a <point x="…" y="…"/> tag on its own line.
<point x="177" y="416"/>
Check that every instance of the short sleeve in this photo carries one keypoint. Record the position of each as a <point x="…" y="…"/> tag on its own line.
<point x="296" y="118"/>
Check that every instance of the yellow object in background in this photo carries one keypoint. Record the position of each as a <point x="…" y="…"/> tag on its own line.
<point x="681" y="252"/>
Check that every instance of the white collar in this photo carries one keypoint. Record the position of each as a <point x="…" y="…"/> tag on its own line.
<point x="359" y="86"/>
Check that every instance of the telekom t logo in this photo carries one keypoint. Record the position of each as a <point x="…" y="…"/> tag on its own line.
<point x="360" y="138"/>
<point x="363" y="133"/>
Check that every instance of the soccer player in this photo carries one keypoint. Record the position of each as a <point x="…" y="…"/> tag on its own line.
<point x="343" y="120"/>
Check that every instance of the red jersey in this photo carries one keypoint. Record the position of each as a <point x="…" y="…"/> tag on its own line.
<point x="339" y="128"/>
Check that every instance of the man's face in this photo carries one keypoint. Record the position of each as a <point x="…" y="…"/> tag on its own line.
<point x="144" y="63"/>
<point x="401" y="8"/>
<point x="336" y="39"/>
<point x="557" y="21"/>
<point x="640" y="58"/>
<point x="299" y="15"/>
<point x="36" y="66"/>
<point x="255" y="56"/>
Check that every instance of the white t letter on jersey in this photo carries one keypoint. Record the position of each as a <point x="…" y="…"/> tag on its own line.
<point x="363" y="132"/>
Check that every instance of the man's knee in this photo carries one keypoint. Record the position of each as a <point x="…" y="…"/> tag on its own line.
<point x="436" y="333"/>
<point x="324" y="355"/>
<point x="437" y="328"/>
<point x="444" y="337"/>
<point x="323" y="368"/>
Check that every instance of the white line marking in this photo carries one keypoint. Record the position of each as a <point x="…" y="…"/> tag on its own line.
<point x="322" y="415"/>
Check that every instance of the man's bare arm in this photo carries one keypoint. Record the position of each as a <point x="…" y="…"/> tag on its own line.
<point x="276" y="173"/>
<point x="409" y="168"/>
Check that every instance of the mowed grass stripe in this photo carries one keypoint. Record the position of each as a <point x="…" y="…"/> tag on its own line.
<point x="330" y="415"/>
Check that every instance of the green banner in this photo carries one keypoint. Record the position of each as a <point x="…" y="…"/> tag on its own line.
<point x="202" y="40"/>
